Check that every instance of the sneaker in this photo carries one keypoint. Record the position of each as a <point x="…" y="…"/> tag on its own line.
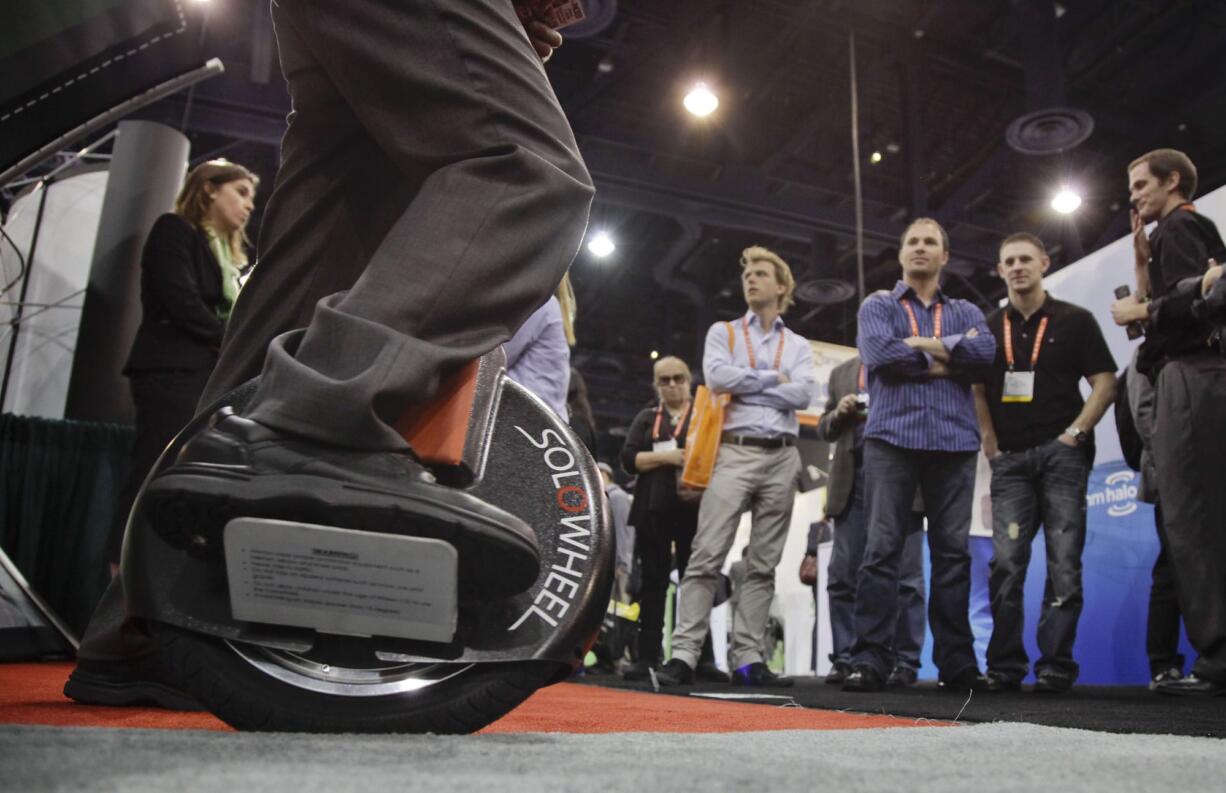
<point x="237" y="467"/>
<point x="1174" y="673"/>
<point x="901" y="677"/>
<point x="967" y="680"/>
<point x="1052" y="683"/>
<point x="838" y="673"/>
<point x="999" y="683"/>
<point x="131" y="681"/>
<point x="708" y="672"/>
<point x="758" y="675"/>
<point x="675" y="673"/>
<point x="1191" y="686"/>
<point x="864" y="679"/>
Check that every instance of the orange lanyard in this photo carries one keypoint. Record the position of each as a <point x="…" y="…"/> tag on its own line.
<point x="655" y="431"/>
<point x="861" y="377"/>
<point x="1034" y="352"/>
<point x="753" y="362"/>
<point x="936" y="319"/>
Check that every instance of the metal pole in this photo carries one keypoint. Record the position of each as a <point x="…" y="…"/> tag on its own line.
<point x="855" y="159"/>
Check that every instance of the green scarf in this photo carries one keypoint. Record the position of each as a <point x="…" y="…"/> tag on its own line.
<point x="229" y="274"/>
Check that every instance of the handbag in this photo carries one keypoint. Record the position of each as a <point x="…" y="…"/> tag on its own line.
<point x="702" y="440"/>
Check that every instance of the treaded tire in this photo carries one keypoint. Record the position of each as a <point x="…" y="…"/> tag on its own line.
<point x="249" y="699"/>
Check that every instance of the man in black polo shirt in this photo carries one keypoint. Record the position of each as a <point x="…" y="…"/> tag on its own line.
<point x="1037" y="437"/>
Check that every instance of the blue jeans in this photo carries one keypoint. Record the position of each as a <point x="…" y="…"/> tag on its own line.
<point x="946" y="481"/>
<point x="850" y="534"/>
<point x="1044" y="485"/>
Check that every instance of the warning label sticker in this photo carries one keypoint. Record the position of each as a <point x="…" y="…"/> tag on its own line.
<point x="343" y="581"/>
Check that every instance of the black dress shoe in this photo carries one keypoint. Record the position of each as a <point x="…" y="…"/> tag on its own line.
<point x="675" y="673"/>
<point x="901" y="677"/>
<point x="708" y="672"/>
<point x="1191" y="686"/>
<point x="239" y="468"/>
<point x="1052" y="683"/>
<point x="131" y="681"/>
<point x="838" y="673"/>
<point x="864" y="679"/>
<point x="967" y="680"/>
<point x="998" y="683"/>
<point x="758" y="675"/>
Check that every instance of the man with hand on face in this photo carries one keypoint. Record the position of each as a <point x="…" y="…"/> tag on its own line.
<point x="1038" y="438"/>
<point x="769" y="372"/>
<point x="920" y="349"/>
<point x="1183" y="357"/>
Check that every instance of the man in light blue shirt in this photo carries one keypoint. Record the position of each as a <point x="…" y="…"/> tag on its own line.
<point x="768" y="371"/>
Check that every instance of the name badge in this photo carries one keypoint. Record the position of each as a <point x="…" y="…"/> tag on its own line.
<point x="669" y="445"/>
<point x="1019" y="387"/>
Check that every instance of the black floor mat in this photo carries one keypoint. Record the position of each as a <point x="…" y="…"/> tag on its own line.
<point x="1123" y="709"/>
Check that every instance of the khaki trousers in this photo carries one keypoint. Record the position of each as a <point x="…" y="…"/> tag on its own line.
<point x="745" y="477"/>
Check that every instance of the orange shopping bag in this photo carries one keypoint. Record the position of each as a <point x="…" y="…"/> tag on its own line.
<point x="702" y="440"/>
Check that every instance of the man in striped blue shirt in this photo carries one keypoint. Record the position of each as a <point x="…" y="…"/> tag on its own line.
<point x="920" y="348"/>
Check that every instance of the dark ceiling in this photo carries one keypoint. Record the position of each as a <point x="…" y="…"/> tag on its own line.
<point x="938" y="85"/>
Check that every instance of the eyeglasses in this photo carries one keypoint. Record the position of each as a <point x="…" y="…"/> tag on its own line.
<point x="666" y="379"/>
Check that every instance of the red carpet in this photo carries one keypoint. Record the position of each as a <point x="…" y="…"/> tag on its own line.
<point x="32" y="694"/>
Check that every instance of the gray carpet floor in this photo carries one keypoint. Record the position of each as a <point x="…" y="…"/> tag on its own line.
<point x="998" y="757"/>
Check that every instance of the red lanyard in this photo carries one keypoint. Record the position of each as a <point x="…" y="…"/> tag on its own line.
<point x="1034" y="352"/>
<point x="862" y="377"/>
<point x="655" y="431"/>
<point x="936" y="319"/>
<point x="753" y="362"/>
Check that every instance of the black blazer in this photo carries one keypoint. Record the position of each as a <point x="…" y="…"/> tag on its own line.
<point x="180" y="290"/>
<point x="844" y="380"/>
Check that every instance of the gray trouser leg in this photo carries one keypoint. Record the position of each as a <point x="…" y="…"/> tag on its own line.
<point x="428" y="171"/>
<point x="772" y="517"/>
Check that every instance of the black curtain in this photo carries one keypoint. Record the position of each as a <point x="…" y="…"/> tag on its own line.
<point x="58" y="484"/>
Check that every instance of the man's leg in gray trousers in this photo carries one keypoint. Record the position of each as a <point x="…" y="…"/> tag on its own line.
<point x="492" y="203"/>
<point x="1187" y="446"/>
<point x="772" y="516"/>
<point x="732" y="484"/>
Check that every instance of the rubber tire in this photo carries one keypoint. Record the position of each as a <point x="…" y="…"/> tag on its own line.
<point x="248" y="699"/>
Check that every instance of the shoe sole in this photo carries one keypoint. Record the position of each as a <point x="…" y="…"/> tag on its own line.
<point x="89" y="689"/>
<point x="1186" y="693"/>
<point x="189" y="509"/>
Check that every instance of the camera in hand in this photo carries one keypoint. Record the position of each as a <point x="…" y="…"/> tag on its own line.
<point x="1135" y="329"/>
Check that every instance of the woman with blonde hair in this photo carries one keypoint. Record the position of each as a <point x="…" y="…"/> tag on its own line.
<point x="189" y="281"/>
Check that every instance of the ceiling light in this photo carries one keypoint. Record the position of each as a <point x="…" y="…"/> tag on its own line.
<point x="601" y="245"/>
<point x="655" y="354"/>
<point x="701" y="100"/>
<point x="1066" y="201"/>
<point x="875" y="157"/>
